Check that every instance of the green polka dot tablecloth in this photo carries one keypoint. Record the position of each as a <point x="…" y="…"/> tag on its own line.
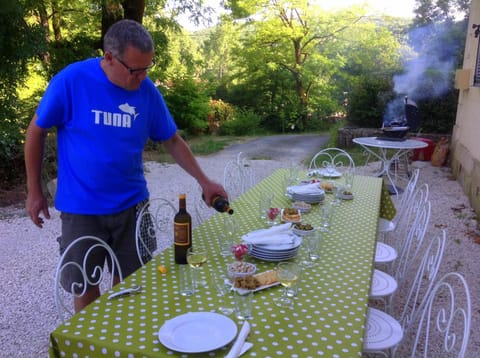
<point x="330" y="308"/>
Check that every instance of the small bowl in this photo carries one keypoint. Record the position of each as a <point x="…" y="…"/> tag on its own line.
<point x="302" y="232"/>
<point x="241" y="269"/>
<point x="345" y="195"/>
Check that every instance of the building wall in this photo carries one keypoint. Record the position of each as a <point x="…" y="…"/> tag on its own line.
<point x="465" y="146"/>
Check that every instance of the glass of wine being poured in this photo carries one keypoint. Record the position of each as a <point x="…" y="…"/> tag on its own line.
<point x="196" y="258"/>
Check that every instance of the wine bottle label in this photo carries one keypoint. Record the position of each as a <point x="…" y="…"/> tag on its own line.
<point x="182" y="234"/>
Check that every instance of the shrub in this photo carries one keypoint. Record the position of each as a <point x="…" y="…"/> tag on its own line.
<point x="244" y="122"/>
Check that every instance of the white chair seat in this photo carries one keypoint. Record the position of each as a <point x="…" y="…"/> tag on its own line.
<point x="382" y="331"/>
<point x="385" y="225"/>
<point x="382" y="284"/>
<point x="384" y="253"/>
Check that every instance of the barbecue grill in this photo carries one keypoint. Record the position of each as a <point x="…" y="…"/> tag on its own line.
<point x="398" y="128"/>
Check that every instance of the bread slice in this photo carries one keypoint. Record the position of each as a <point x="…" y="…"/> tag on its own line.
<point x="256" y="281"/>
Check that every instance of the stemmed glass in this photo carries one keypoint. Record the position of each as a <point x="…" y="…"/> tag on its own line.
<point x="196" y="258"/>
<point x="222" y="287"/>
<point x="287" y="273"/>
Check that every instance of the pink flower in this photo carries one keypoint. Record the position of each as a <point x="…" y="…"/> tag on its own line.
<point x="273" y="213"/>
<point x="239" y="251"/>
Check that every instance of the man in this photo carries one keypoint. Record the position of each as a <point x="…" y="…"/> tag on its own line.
<point x="105" y="110"/>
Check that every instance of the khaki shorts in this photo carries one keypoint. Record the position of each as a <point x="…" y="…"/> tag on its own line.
<point x="117" y="230"/>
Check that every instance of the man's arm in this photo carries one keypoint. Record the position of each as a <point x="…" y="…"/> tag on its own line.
<point x="180" y="151"/>
<point x="34" y="146"/>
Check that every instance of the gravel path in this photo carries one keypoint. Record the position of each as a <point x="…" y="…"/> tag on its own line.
<point x="29" y="255"/>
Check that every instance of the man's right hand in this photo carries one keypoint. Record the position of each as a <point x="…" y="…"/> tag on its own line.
<point x="35" y="205"/>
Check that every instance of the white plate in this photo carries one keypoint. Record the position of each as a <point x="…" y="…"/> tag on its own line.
<point x="274" y="257"/>
<point x="197" y="332"/>
<point x="326" y="174"/>
<point x="296" y="241"/>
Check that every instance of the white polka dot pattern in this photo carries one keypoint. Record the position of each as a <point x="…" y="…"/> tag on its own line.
<point x="330" y="308"/>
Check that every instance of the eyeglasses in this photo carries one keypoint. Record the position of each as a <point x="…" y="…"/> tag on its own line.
<point x="135" y="71"/>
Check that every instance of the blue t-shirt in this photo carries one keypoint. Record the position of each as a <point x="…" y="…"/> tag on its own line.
<point x="101" y="130"/>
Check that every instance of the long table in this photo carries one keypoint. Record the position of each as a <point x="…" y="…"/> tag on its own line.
<point x="330" y="308"/>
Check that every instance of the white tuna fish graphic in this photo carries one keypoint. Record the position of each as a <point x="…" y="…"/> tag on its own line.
<point x="128" y="109"/>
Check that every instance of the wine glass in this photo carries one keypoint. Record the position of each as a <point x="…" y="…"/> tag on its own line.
<point x="288" y="274"/>
<point x="222" y="288"/>
<point x="196" y="258"/>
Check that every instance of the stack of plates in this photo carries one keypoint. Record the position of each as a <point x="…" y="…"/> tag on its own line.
<point x="308" y="198"/>
<point x="271" y="252"/>
<point x="310" y="193"/>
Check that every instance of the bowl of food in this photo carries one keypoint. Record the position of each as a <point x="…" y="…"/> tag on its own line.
<point x="328" y="186"/>
<point x="302" y="229"/>
<point x="345" y="194"/>
<point x="241" y="269"/>
<point x="302" y="206"/>
<point x="291" y="215"/>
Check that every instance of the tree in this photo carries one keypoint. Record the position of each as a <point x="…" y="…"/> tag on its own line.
<point x="19" y="43"/>
<point x="431" y="11"/>
<point x="297" y="39"/>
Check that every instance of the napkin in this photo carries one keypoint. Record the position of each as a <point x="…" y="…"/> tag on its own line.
<point x="313" y="189"/>
<point x="238" y="344"/>
<point x="279" y="234"/>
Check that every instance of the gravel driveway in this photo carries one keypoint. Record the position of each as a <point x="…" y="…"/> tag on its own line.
<point x="29" y="255"/>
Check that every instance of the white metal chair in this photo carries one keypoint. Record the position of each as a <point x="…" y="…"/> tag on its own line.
<point x="248" y="173"/>
<point x="384" y="332"/>
<point x="385" y="254"/>
<point x="233" y="179"/>
<point x="334" y="158"/>
<point x="446" y="317"/>
<point x="384" y="285"/>
<point x="201" y="210"/>
<point x="154" y="228"/>
<point x="96" y="275"/>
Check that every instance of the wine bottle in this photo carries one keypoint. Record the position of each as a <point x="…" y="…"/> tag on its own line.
<point x="182" y="231"/>
<point x="220" y="204"/>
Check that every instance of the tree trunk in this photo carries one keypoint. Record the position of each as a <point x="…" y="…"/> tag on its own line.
<point x="56" y="21"/>
<point x="114" y="10"/>
<point x="134" y="9"/>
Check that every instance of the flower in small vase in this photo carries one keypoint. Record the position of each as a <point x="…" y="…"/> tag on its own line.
<point x="273" y="213"/>
<point x="239" y="251"/>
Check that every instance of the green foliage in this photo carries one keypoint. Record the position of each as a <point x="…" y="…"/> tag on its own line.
<point x="245" y="122"/>
<point x="65" y="52"/>
<point x="208" y="145"/>
<point x="437" y="115"/>
<point x="367" y="101"/>
<point x="188" y="104"/>
<point x="19" y="42"/>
